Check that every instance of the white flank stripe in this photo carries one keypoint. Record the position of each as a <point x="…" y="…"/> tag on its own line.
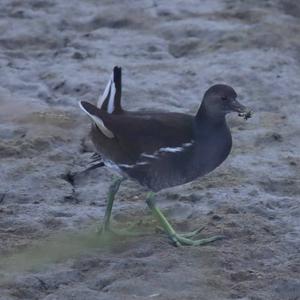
<point x="142" y="163"/>
<point x="125" y="166"/>
<point x="106" y="91"/>
<point x="110" y="164"/>
<point x="155" y="155"/>
<point x="169" y="149"/>
<point x="175" y="149"/>
<point x="188" y="144"/>
<point x="148" y="155"/>
<point x="98" y="122"/>
<point x="111" y="106"/>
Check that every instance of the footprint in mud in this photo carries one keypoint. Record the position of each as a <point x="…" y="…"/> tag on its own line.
<point x="241" y="276"/>
<point x="102" y="21"/>
<point x="283" y="187"/>
<point x="245" y="16"/>
<point x="37" y="285"/>
<point x="126" y="18"/>
<point x="286" y="288"/>
<point x="268" y="138"/>
<point x="291" y="7"/>
<point x="101" y="281"/>
<point x="183" y="48"/>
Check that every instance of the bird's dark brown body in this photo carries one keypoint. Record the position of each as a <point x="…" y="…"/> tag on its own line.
<point x="161" y="150"/>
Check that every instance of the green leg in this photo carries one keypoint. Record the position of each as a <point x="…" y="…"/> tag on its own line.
<point x="177" y="239"/>
<point x="113" y="189"/>
<point x="106" y="228"/>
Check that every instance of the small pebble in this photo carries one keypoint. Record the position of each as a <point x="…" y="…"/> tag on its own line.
<point x="216" y="217"/>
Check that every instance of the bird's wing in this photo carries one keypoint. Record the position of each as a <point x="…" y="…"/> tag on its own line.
<point x="143" y="132"/>
<point x="149" y="132"/>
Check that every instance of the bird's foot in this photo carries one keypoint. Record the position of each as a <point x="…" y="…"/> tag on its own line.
<point x="182" y="240"/>
<point x="185" y="234"/>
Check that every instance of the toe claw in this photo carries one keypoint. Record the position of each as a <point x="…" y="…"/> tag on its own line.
<point x="183" y="241"/>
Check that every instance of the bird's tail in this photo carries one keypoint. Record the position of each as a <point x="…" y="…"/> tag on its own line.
<point x="110" y="101"/>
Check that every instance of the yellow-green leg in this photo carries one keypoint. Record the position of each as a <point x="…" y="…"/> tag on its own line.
<point x="106" y="228"/>
<point x="178" y="239"/>
<point x="113" y="189"/>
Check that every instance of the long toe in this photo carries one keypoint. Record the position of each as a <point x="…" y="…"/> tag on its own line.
<point x="183" y="241"/>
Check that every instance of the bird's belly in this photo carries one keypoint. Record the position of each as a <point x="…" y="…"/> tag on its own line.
<point x="178" y="168"/>
<point x="167" y="168"/>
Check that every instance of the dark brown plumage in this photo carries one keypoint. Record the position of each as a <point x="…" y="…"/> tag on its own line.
<point x="163" y="149"/>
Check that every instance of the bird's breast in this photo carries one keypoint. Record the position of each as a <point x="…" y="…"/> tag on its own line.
<point x="211" y="150"/>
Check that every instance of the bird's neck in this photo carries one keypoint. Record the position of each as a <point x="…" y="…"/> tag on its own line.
<point x="212" y="120"/>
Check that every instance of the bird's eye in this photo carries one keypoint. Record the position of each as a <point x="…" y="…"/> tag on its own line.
<point x="224" y="98"/>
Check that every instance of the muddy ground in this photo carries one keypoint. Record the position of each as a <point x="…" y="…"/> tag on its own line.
<point x="54" y="53"/>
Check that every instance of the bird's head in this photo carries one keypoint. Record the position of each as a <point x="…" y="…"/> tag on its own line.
<point x="220" y="99"/>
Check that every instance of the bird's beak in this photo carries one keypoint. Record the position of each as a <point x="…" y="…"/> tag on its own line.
<point x="241" y="109"/>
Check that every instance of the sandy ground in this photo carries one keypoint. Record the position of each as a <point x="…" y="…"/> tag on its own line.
<point x="54" y="53"/>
